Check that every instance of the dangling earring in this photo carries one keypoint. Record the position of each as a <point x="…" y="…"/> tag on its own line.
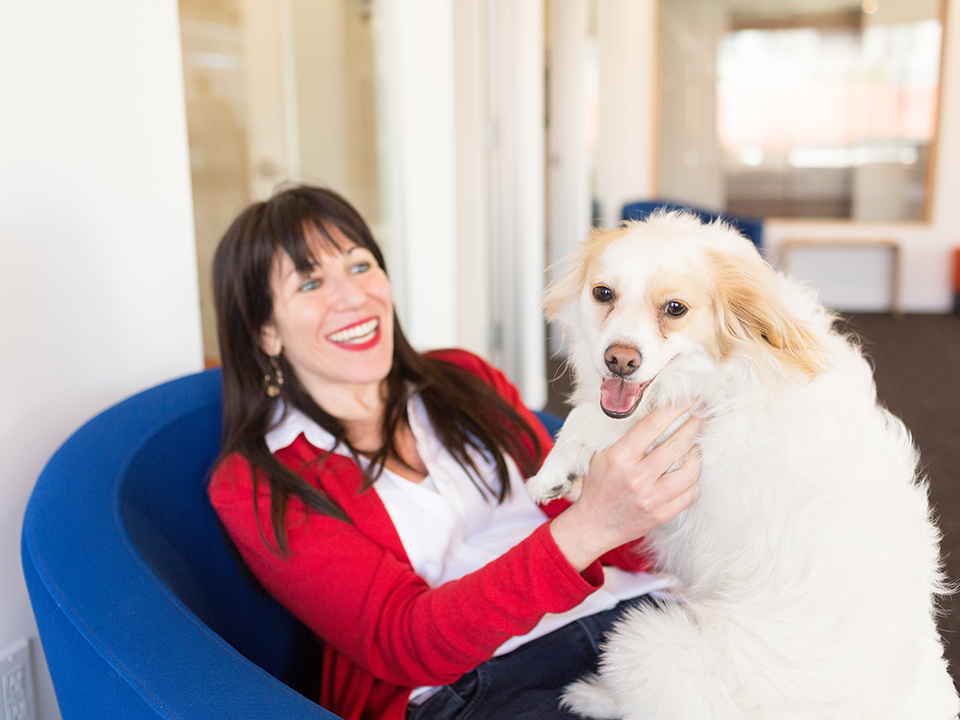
<point x="272" y="386"/>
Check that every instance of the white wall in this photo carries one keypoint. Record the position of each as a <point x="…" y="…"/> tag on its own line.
<point x="628" y="37"/>
<point x="461" y="157"/>
<point x="472" y="134"/>
<point x="571" y="100"/>
<point x="414" y="57"/>
<point x="568" y="171"/>
<point x="98" y="287"/>
<point x="515" y="55"/>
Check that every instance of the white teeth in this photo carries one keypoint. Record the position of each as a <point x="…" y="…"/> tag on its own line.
<point x="356" y="334"/>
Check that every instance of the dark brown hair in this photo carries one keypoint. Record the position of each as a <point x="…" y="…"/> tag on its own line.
<point x="464" y="411"/>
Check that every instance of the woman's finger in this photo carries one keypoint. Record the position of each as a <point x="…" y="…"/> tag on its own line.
<point x="667" y="454"/>
<point x="640" y="437"/>
<point x="679" y="503"/>
<point x="685" y="476"/>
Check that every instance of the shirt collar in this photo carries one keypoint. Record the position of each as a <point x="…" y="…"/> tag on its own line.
<point x="291" y="423"/>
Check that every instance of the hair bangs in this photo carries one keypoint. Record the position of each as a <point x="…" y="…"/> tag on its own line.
<point x="300" y="229"/>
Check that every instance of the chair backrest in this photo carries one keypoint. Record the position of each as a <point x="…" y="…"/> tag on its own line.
<point x="748" y="226"/>
<point x="142" y="610"/>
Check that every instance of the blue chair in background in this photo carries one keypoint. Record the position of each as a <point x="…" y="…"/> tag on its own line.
<point x="142" y="610"/>
<point x="749" y="227"/>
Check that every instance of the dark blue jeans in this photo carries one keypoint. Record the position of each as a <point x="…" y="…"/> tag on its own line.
<point x="525" y="684"/>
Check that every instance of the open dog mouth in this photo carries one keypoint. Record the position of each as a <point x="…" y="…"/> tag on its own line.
<point x="619" y="397"/>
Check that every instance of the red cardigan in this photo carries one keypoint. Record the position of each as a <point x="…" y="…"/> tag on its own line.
<point x="384" y="629"/>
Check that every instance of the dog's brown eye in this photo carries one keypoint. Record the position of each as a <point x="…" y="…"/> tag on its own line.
<point x="675" y="309"/>
<point x="603" y="294"/>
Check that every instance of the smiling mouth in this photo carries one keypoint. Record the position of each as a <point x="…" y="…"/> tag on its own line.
<point x="619" y="398"/>
<point x="358" y="334"/>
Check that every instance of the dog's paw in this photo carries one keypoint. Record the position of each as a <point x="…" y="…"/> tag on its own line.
<point x="590" y="698"/>
<point x="546" y="486"/>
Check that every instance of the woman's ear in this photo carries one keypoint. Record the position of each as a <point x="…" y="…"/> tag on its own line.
<point x="270" y="340"/>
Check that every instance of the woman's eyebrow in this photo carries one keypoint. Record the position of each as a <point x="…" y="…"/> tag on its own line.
<point x="315" y="264"/>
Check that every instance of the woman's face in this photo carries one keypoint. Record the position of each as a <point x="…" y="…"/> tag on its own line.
<point x="334" y="324"/>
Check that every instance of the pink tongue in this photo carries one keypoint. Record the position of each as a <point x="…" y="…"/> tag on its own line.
<point x="618" y="396"/>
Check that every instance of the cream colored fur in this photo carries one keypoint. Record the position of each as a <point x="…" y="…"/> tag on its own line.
<point x="808" y="568"/>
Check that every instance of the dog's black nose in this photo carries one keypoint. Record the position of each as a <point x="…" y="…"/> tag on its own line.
<point x="621" y="360"/>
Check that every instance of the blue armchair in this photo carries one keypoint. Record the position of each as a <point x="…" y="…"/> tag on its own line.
<point x="141" y="608"/>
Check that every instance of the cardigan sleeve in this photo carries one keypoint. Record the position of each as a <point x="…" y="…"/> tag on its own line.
<point x="364" y="598"/>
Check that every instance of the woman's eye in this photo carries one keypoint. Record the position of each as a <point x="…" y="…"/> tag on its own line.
<point x="603" y="294"/>
<point x="309" y="285"/>
<point x="675" y="309"/>
<point x="360" y="267"/>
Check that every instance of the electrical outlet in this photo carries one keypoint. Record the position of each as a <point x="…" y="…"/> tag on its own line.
<point x="16" y="676"/>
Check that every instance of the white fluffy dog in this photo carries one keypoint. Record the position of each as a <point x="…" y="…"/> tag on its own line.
<point x="808" y="569"/>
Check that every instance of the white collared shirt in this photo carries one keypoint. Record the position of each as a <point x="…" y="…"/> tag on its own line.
<point x="449" y="528"/>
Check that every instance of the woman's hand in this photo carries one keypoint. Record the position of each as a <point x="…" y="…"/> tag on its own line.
<point x="626" y="494"/>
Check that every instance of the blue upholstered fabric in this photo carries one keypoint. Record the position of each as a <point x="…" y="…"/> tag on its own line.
<point x="551" y="422"/>
<point x="750" y="227"/>
<point x="142" y="610"/>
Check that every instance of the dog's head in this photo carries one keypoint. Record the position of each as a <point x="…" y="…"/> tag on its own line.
<point x="666" y="301"/>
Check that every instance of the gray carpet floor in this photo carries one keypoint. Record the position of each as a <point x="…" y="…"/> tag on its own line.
<point x="916" y="362"/>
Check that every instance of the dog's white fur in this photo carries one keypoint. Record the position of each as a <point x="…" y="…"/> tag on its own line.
<point x="808" y="568"/>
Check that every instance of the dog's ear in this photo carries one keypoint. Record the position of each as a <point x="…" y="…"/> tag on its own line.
<point x="755" y="319"/>
<point x="562" y="292"/>
<point x="571" y="273"/>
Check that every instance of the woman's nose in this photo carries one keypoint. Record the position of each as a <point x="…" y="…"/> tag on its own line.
<point x="349" y="292"/>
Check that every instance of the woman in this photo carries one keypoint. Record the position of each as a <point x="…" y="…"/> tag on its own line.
<point x="378" y="493"/>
